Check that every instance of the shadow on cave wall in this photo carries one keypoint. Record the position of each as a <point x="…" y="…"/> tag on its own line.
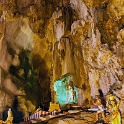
<point x="23" y="76"/>
<point x="18" y="115"/>
<point x="32" y="76"/>
<point x="43" y="79"/>
<point x="24" y="71"/>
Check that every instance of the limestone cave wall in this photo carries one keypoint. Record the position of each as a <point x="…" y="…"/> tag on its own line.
<point x="42" y="40"/>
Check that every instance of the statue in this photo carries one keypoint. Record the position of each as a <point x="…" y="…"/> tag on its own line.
<point x="9" y="119"/>
<point x="113" y="103"/>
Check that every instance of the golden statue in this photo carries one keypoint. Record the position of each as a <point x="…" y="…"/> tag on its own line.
<point x="9" y="119"/>
<point x="113" y="103"/>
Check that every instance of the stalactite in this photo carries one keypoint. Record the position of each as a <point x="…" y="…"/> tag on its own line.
<point x="67" y="17"/>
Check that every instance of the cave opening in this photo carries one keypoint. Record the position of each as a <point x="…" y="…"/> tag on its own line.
<point x="43" y="81"/>
<point x="18" y="116"/>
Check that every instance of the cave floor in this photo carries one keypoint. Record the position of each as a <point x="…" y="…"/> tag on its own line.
<point x="80" y="118"/>
<point x="77" y="118"/>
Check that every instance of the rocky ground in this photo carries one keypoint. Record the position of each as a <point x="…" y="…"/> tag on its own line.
<point x="82" y="118"/>
<point x="77" y="118"/>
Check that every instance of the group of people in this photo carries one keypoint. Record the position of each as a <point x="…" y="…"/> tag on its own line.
<point x="112" y="105"/>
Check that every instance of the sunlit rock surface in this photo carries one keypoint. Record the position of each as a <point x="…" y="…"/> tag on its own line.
<point x="40" y="41"/>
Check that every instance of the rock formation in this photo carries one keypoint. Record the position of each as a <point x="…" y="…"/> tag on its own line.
<point x="40" y="41"/>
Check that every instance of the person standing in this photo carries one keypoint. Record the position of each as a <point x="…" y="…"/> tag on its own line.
<point x="100" y="108"/>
